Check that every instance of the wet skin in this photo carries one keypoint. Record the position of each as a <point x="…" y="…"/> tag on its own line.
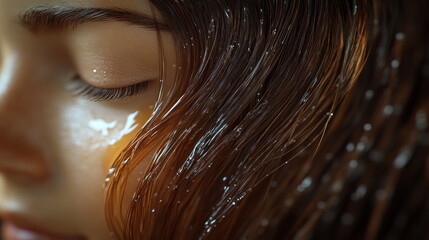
<point x="57" y="141"/>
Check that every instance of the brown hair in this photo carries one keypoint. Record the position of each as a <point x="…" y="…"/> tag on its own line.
<point x="271" y="130"/>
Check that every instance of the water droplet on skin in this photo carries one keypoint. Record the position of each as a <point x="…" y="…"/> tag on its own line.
<point x="94" y="71"/>
<point x="100" y="125"/>
<point x="130" y="125"/>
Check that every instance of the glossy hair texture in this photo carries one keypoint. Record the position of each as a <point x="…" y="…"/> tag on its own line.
<point x="287" y="119"/>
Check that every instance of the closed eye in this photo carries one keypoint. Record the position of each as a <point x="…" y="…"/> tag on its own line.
<point x="81" y="88"/>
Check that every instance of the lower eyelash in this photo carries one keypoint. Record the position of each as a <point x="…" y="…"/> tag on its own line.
<point x="80" y="88"/>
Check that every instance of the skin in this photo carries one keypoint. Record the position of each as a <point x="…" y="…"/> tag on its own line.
<point x="56" y="148"/>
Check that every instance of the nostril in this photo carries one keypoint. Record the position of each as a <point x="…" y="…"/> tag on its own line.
<point x="20" y="160"/>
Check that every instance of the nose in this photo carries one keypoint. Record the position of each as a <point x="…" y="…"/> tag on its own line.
<point x="21" y="155"/>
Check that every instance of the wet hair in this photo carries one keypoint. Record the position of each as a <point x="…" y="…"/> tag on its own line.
<point x="287" y="119"/>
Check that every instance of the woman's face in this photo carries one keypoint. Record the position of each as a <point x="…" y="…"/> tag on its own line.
<point x="70" y="99"/>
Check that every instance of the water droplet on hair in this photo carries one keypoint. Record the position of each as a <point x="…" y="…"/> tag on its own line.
<point x="275" y="32"/>
<point x="359" y="193"/>
<point x="361" y="147"/>
<point x="395" y="63"/>
<point x="224" y="179"/>
<point x="353" y="164"/>
<point x="265" y="222"/>
<point x="367" y="127"/>
<point x="304" y="184"/>
<point x="350" y="147"/>
<point x="338" y="185"/>
<point x="388" y="110"/>
<point x="402" y="159"/>
<point x="369" y="94"/>
<point x="111" y="170"/>
<point x="153" y="210"/>
<point x="421" y="120"/>
<point x="355" y="7"/>
<point x="399" y="36"/>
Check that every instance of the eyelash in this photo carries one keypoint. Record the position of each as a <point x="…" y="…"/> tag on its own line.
<point x="80" y="88"/>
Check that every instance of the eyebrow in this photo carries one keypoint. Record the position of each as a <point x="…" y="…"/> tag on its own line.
<point x="61" y="18"/>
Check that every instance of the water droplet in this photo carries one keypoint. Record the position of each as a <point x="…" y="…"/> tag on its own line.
<point x="338" y="185"/>
<point x="369" y="94"/>
<point x="111" y="170"/>
<point x="388" y="110"/>
<point x="224" y="179"/>
<point x="265" y="222"/>
<point x="94" y="71"/>
<point x="359" y="193"/>
<point x="350" y="147"/>
<point x="361" y="147"/>
<point x="395" y="63"/>
<point x="153" y="210"/>
<point x="353" y="163"/>
<point x="274" y="32"/>
<point x="367" y="127"/>
<point x="402" y="159"/>
<point x="399" y="36"/>
<point x="355" y="8"/>
<point x="421" y="120"/>
<point x="304" y="184"/>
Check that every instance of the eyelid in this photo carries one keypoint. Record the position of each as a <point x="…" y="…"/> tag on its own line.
<point x="79" y="87"/>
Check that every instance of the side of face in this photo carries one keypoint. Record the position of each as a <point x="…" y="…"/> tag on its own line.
<point x="57" y="141"/>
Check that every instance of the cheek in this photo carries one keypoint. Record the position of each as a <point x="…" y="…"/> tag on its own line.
<point x="90" y="139"/>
